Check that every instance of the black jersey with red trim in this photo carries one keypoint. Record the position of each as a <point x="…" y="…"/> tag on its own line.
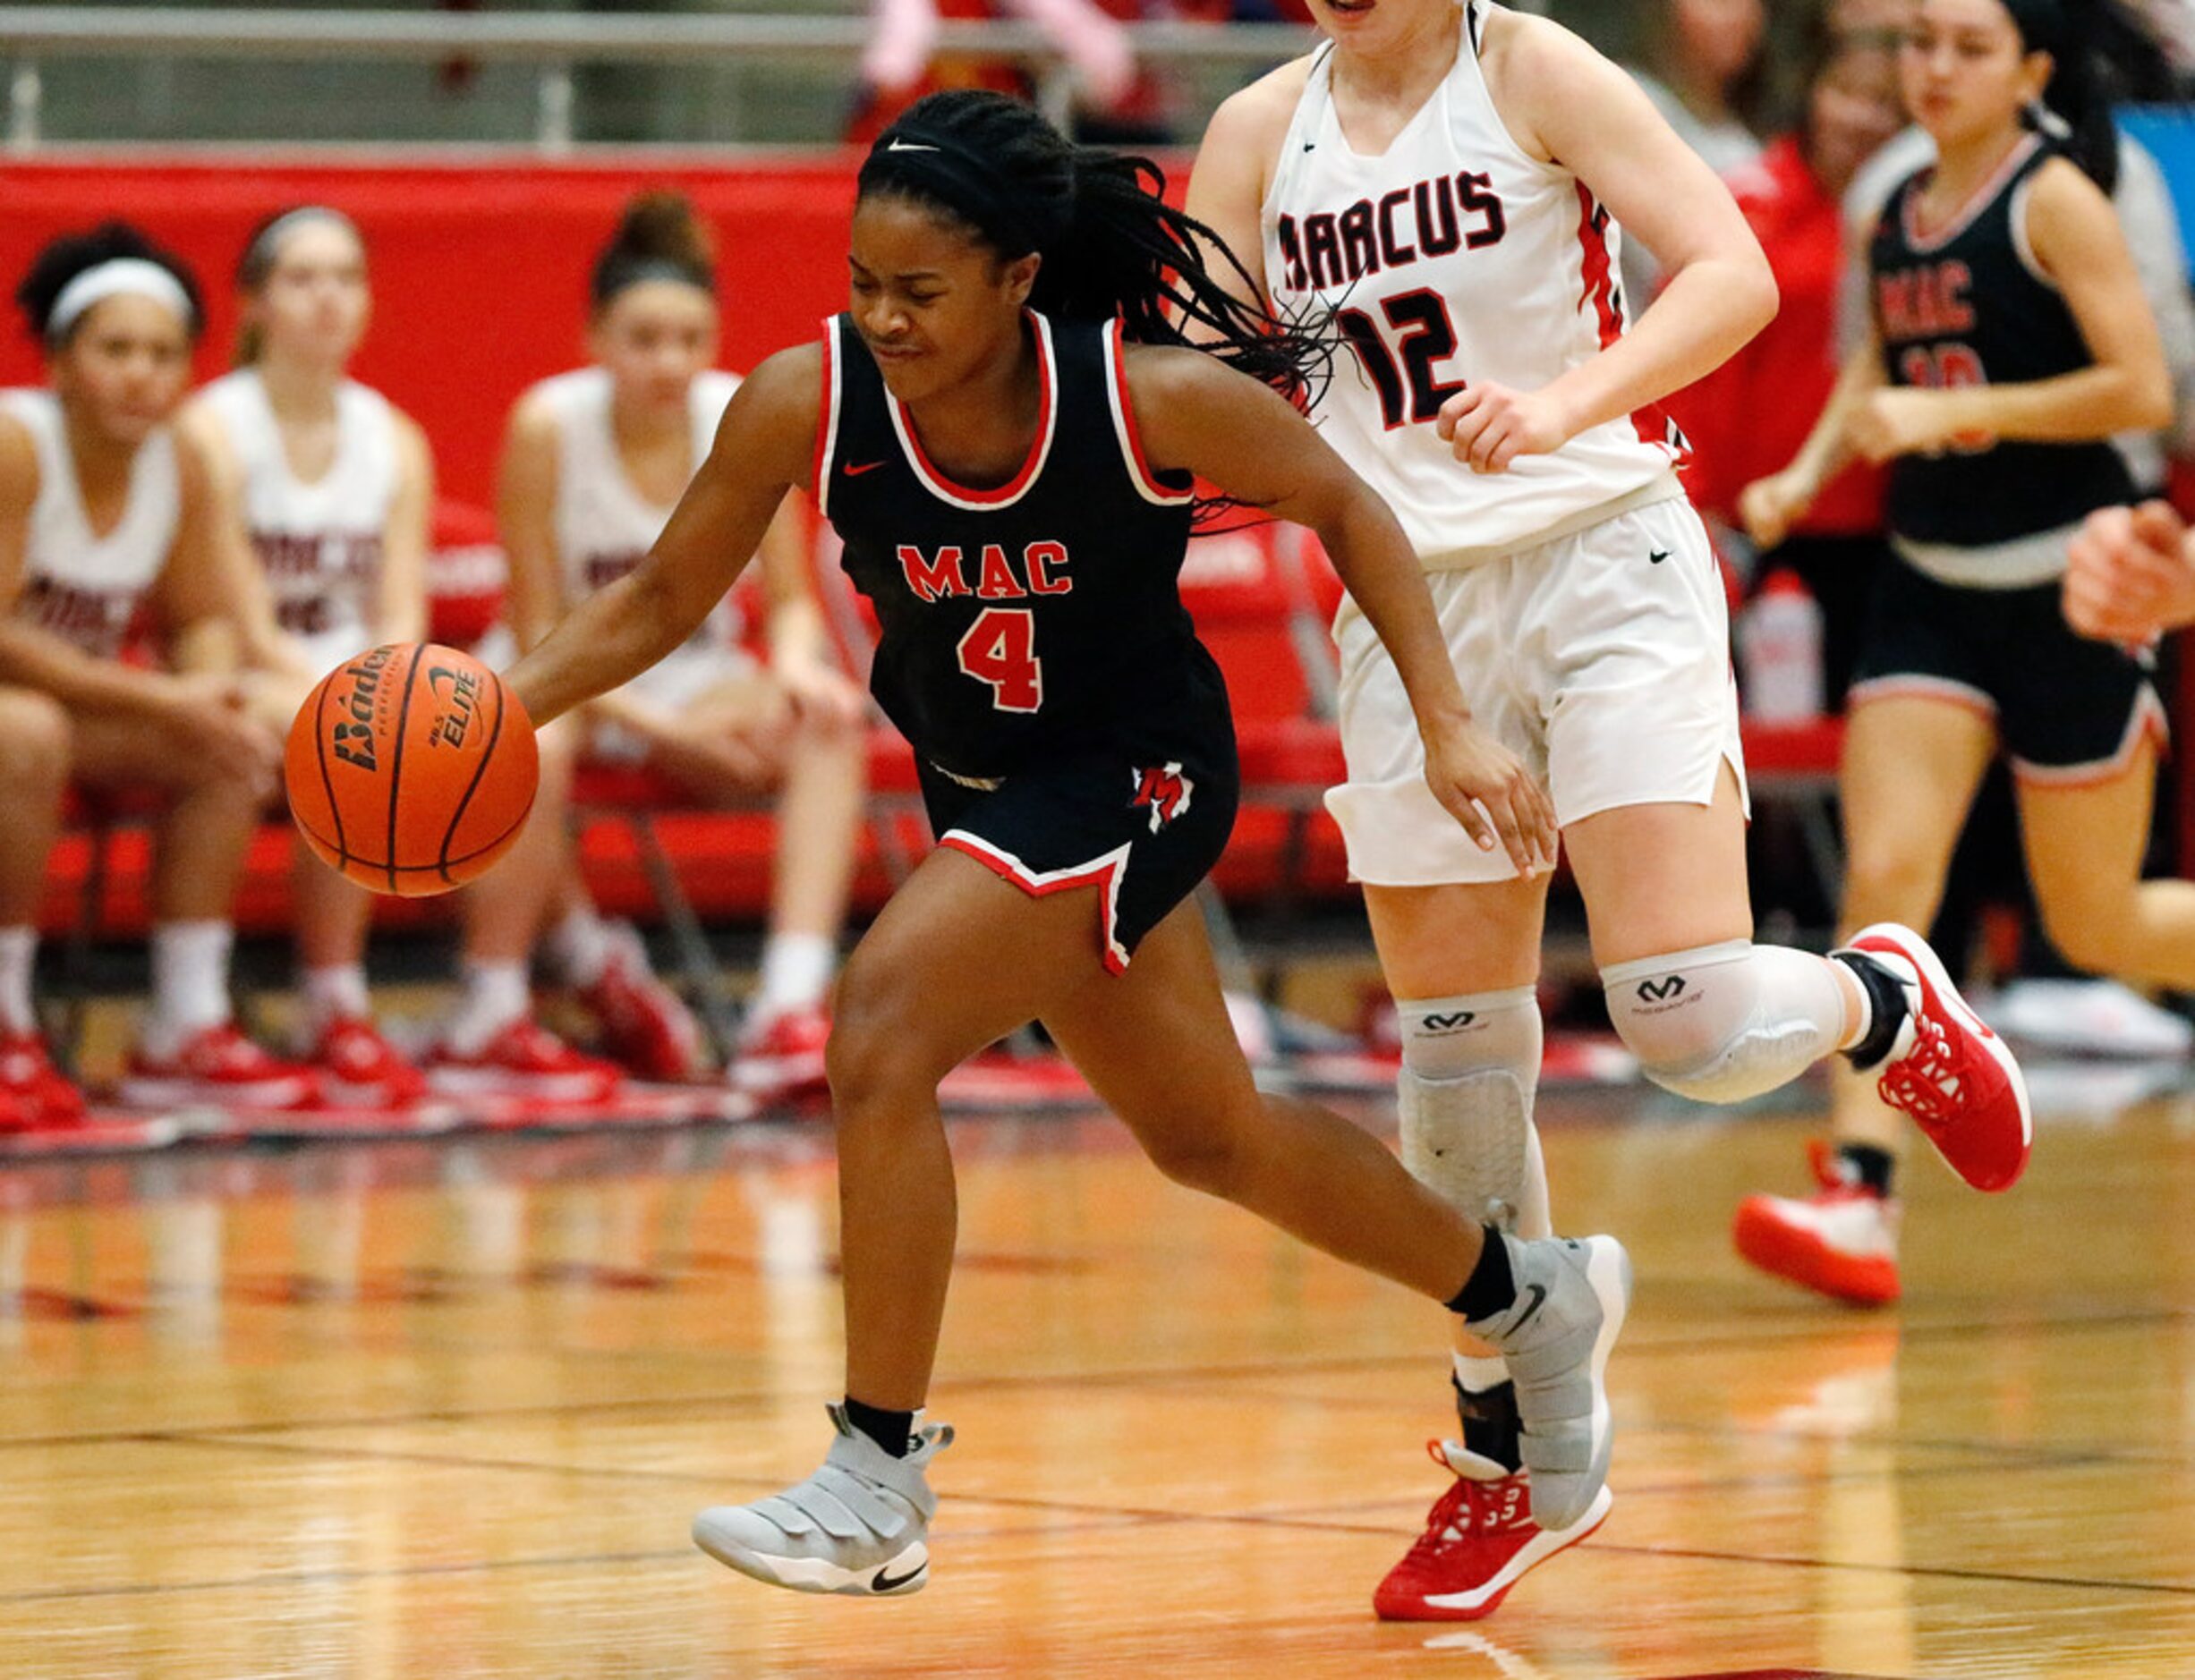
<point x="1968" y="305"/>
<point x="1034" y="618"/>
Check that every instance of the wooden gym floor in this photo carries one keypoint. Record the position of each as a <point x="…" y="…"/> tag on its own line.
<point x="444" y="1410"/>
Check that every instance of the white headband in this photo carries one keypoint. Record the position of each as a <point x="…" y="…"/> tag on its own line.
<point x="270" y="236"/>
<point x="130" y="275"/>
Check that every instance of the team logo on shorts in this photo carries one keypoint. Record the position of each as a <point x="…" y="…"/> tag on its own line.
<point x="1165" y="790"/>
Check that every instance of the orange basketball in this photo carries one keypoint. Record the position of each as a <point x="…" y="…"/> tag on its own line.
<point x="411" y="768"/>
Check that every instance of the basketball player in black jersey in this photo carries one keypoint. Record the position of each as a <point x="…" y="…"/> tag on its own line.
<point x="1013" y="483"/>
<point x="2012" y="343"/>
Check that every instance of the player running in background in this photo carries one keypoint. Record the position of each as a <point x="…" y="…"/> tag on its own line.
<point x="2011" y="343"/>
<point x="106" y="515"/>
<point x="1445" y="184"/>
<point x="1002" y="435"/>
<point x="595" y="462"/>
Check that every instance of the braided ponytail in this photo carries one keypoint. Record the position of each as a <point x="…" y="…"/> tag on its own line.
<point x="1113" y="247"/>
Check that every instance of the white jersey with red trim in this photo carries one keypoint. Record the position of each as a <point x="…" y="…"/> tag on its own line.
<point x="604" y="525"/>
<point x="319" y="543"/>
<point x="82" y="586"/>
<point x="1454" y="256"/>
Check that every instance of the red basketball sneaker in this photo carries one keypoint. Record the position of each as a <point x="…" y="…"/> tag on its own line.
<point x="525" y="1059"/>
<point x="646" y="1029"/>
<point x="1479" y="1540"/>
<point x="33" y="1095"/>
<point x="1841" y="1241"/>
<point x="218" y="1067"/>
<point x="1948" y="1071"/>
<point x="358" y="1067"/>
<point x="783" y="1060"/>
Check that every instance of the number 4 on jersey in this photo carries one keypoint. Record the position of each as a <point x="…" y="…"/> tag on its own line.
<point x="1001" y="648"/>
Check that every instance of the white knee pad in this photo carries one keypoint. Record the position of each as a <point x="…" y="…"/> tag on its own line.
<point x="1726" y="1022"/>
<point x="1470" y="1067"/>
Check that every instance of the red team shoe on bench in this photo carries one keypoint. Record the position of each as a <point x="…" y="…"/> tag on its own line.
<point x="220" y="1068"/>
<point x="1955" y="1077"/>
<point x="1479" y="1542"/>
<point x="33" y="1095"/>
<point x="358" y="1067"/>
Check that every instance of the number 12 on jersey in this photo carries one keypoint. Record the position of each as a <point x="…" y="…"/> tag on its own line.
<point x="1000" y="649"/>
<point x="1414" y="390"/>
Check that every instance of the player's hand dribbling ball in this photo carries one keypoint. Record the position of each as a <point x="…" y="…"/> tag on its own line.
<point x="411" y="769"/>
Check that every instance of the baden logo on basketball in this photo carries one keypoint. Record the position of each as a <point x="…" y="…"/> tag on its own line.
<point x="356" y="728"/>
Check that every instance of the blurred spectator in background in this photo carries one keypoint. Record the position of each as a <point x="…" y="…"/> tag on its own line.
<point x="1704" y="66"/>
<point x="1749" y="415"/>
<point x="1118" y="101"/>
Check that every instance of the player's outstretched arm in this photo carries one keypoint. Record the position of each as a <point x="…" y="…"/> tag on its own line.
<point x="763" y="447"/>
<point x="2130" y="574"/>
<point x="1196" y="415"/>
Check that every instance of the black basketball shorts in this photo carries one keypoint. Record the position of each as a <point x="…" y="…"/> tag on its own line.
<point x="1143" y="824"/>
<point x="2066" y="710"/>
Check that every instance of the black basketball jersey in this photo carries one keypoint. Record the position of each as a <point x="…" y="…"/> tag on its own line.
<point x="1965" y="306"/>
<point x="1041" y="616"/>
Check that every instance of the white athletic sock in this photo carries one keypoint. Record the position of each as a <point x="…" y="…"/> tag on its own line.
<point x="333" y="993"/>
<point x="190" y="983"/>
<point x="1478" y="1376"/>
<point x="496" y="994"/>
<point x="579" y="948"/>
<point x="796" y="969"/>
<point x="19" y="953"/>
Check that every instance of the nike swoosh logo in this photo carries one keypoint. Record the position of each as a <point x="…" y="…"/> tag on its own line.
<point x="1539" y="1299"/>
<point x="1657" y="556"/>
<point x="1310" y="146"/>
<point x="852" y="472"/>
<point x="881" y="1581"/>
<point x="898" y="145"/>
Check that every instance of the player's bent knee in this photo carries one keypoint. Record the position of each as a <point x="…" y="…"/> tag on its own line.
<point x="34" y="744"/>
<point x="1198" y="1155"/>
<point x="1725" y="1022"/>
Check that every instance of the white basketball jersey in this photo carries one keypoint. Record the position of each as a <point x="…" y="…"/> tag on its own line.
<point x="604" y="526"/>
<point x="1453" y="256"/>
<point x="82" y="587"/>
<point x="319" y="544"/>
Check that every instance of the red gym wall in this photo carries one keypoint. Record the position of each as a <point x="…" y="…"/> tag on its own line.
<point x="480" y="270"/>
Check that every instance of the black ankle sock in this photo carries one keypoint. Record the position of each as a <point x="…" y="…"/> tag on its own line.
<point x="1491" y="1426"/>
<point x="1869" y="1165"/>
<point x="1490" y="1287"/>
<point x="1887" y="1008"/>
<point x="894" y="1431"/>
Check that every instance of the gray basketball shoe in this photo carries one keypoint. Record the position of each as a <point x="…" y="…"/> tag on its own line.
<point x="856" y="1526"/>
<point x="1571" y="1296"/>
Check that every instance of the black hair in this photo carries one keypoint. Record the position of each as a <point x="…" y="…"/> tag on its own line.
<point x="658" y="238"/>
<point x="1113" y="247"/>
<point x="62" y="258"/>
<point x="1749" y="96"/>
<point x="255" y="266"/>
<point x="2083" y="85"/>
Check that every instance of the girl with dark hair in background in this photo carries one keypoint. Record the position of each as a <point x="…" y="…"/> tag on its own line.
<point x="106" y="513"/>
<point x="2011" y="343"/>
<point x="595" y="461"/>
<point x="1007" y="432"/>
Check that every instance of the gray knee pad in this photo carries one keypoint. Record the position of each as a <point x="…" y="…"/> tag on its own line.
<point x="1469" y="1141"/>
<point x="1727" y="1021"/>
<point x="1471" y="1066"/>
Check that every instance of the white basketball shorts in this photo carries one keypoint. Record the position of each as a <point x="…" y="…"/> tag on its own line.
<point x="1600" y="659"/>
